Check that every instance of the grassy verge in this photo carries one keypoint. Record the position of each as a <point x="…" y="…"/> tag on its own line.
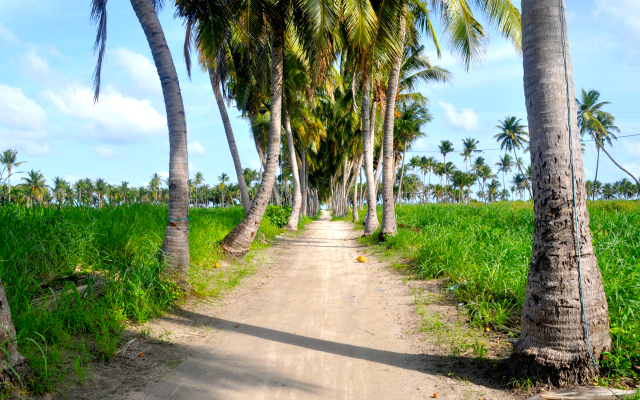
<point x="485" y="251"/>
<point x="47" y="252"/>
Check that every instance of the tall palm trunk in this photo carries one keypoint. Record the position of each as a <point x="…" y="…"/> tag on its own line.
<point x="595" y="181"/>
<point x="9" y="181"/>
<point x="244" y="191"/>
<point x="292" y="223"/>
<point x="176" y="238"/>
<point x="553" y="345"/>
<point x="356" y="174"/>
<point x="303" y="182"/>
<point x="404" y="154"/>
<point x="388" y="173"/>
<point x="371" y="221"/>
<point x="237" y="242"/>
<point x="619" y="166"/>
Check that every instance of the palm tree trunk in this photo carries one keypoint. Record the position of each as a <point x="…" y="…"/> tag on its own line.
<point x="371" y="220"/>
<point x="176" y="238"/>
<point x="553" y="345"/>
<point x="356" y="174"/>
<point x="244" y="191"/>
<point x="404" y="154"/>
<point x="12" y="361"/>
<point x="292" y="223"/>
<point x="388" y="176"/>
<point x="303" y="182"/>
<point x="237" y="242"/>
<point x="595" y="181"/>
<point x="619" y="166"/>
<point x="9" y="182"/>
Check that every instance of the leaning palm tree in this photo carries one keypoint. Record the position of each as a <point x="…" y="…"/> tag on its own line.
<point x="8" y="159"/>
<point x="176" y="238"/>
<point x="198" y="180"/>
<point x="469" y="146"/>
<point x="445" y="148"/>
<point x="565" y="322"/>
<point x="512" y="136"/>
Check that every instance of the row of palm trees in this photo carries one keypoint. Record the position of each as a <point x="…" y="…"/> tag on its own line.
<point x="326" y="84"/>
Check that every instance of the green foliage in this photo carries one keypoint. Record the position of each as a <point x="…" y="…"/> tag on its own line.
<point x="278" y="215"/>
<point x="53" y="249"/>
<point x="485" y="251"/>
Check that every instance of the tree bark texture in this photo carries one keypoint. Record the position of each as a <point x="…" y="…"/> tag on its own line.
<point x="176" y="237"/>
<point x="237" y="242"/>
<point x="292" y="223"/>
<point x="388" y="172"/>
<point x="371" y="221"/>
<point x="553" y="346"/>
<point x="10" y="356"/>
<point x="404" y="155"/>
<point x="356" y="174"/>
<point x="242" y="183"/>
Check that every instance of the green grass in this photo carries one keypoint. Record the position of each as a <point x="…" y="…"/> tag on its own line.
<point x="485" y="251"/>
<point x="43" y="250"/>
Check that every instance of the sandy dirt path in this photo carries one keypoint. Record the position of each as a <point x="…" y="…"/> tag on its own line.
<point x="322" y="326"/>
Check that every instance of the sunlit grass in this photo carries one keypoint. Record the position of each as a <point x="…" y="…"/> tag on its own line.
<point x="48" y="250"/>
<point x="485" y="251"/>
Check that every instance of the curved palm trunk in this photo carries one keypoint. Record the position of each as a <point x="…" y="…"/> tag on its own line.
<point x="244" y="191"/>
<point x="176" y="238"/>
<point x="404" y="154"/>
<point x="388" y="174"/>
<point x="371" y="220"/>
<point x="292" y="223"/>
<point x="237" y="242"/>
<point x="553" y="345"/>
<point x="356" y="174"/>
<point x="619" y="166"/>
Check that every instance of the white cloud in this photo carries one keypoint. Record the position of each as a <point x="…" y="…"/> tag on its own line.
<point x="104" y="152"/>
<point x="633" y="148"/>
<point x="141" y="69"/>
<point x="467" y="119"/>
<point x="36" y="149"/>
<point x="115" y="118"/>
<point x="195" y="148"/>
<point x="34" y="64"/>
<point x="192" y="168"/>
<point x="164" y="174"/>
<point x="18" y="111"/>
<point x="634" y="169"/>
<point x="7" y="36"/>
<point x="627" y="11"/>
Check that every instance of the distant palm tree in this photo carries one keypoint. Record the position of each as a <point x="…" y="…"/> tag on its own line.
<point x="198" y="179"/>
<point x="223" y="178"/>
<point x="446" y="147"/>
<point x="154" y="184"/>
<point x="59" y="187"/>
<point x="512" y="136"/>
<point x="504" y="165"/>
<point x="35" y="183"/>
<point x="469" y="146"/>
<point x="8" y="159"/>
<point x="101" y="187"/>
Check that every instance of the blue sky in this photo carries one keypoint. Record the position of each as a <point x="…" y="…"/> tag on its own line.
<point x="47" y="112"/>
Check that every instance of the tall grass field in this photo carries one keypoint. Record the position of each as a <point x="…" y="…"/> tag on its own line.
<point x="485" y="251"/>
<point x="51" y="251"/>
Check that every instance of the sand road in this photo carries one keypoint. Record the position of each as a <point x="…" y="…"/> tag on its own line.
<point x="324" y="327"/>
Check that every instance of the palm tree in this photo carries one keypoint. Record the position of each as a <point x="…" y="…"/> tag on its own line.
<point x="59" y="187"/>
<point x="512" y="136"/>
<point x="599" y="125"/>
<point x="553" y="345"/>
<point x="504" y="165"/>
<point x="223" y="178"/>
<point x="36" y="184"/>
<point x="8" y="159"/>
<point x="445" y="148"/>
<point x="198" y="180"/>
<point x="469" y="146"/>
<point x="154" y="184"/>
<point x="176" y="239"/>
<point x="101" y="187"/>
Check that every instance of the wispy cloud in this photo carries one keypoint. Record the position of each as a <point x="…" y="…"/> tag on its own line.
<point x="141" y="70"/>
<point x="195" y="148"/>
<point x="467" y="119"/>
<point x="7" y="36"/>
